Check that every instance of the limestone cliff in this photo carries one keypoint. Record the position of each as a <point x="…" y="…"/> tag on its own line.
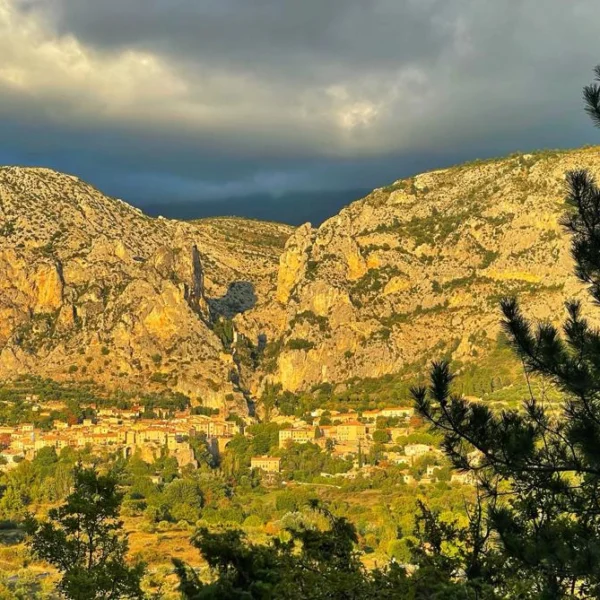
<point x="91" y="288"/>
<point x="415" y="270"/>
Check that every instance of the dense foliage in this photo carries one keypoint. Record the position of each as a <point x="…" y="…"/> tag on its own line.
<point x="317" y="561"/>
<point x="83" y="540"/>
<point x="538" y="472"/>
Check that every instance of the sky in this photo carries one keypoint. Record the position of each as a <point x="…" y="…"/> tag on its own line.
<point x="188" y="100"/>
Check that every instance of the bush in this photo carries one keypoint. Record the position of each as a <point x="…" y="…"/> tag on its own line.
<point x="309" y="316"/>
<point x="381" y="436"/>
<point x="300" y="344"/>
<point x="253" y="521"/>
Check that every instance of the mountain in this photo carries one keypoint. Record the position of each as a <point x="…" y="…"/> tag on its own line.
<point x="91" y="288"/>
<point x="292" y="208"/>
<point x="415" y="270"/>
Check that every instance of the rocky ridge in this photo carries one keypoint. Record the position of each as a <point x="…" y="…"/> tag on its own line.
<point x="91" y="288"/>
<point x="415" y="270"/>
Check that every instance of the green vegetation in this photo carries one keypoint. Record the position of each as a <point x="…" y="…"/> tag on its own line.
<point x="159" y="498"/>
<point x="498" y="370"/>
<point x="37" y="333"/>
<point x="310" y="317"/>
<point x="83" y="540"/>
<point x="374" y="280"/>
<point x="223" y="329"/>
<point x="270" y="355"/>
<point x="169" y="402"/>
<point x="161" y="378"/>
<point x="399" y="318"/>
<point x="312" y="266"/>
<point x="7" y="229"/>
<point x="81" y="400"/>
<point x="488" y="258"/>
<point x="312" y="563"/>
<point x="538" y="469"/>
<point x="300" y="344"/>
<point x="406" y="185"/>
<point x="249" y="231"/>
<point x="435" y="228"/>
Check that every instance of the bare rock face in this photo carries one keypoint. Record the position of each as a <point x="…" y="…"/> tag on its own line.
<point x="92" y="288"/>
<point x="293" y="262"/>
<point x="415" y="271"/>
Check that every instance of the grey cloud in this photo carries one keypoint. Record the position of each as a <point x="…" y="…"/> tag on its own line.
<point x="312" y="36"/>
<point x="216" y="96"/>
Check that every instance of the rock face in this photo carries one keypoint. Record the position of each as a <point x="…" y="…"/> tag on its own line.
<point x="91" y="288"/>
<point x="293" y="262"/>
<point x="416" y="270"/>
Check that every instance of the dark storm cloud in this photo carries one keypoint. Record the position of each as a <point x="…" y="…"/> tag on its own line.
<point x="263" y="34"/>
<point x="204" y="98"/>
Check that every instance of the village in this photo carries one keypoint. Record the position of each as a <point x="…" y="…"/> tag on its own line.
<point x="119" y="430"/>
<point x="348" y="435"/>
<point x="353" y="434"/>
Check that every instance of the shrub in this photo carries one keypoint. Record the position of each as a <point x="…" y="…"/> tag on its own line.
<point x="300" y="344"/>
<point x="253" y="521"/>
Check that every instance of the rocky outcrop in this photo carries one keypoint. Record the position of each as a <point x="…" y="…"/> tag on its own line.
<point x="293" y="262"/>
<point x="92" y="288"/>
<point x="415" y="271"/>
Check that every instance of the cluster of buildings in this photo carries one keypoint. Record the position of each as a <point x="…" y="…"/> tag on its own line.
<point x="350" y="433"/>
<point x="344" y="433"/>
<point x="115" y="430"/>
<point x="126" y="431"/>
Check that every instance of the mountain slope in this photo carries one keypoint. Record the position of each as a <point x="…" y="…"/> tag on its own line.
<point x="415" y="271"/>
<point x="92" y="288"/>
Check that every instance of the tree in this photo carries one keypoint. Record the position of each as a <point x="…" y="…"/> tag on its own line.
<point x="312" y="565"/>
<point x="381" y="436"/>
<point x="184" y="499"/>
<point x="83" y="540"/>
<point x="22" y="488"/>
<point x="539" y="469"/>
<point x="268" y="400"/>
<point x="202" y="454"/>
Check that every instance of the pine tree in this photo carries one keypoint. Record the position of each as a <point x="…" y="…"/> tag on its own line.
<point x="539" y="472"/>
